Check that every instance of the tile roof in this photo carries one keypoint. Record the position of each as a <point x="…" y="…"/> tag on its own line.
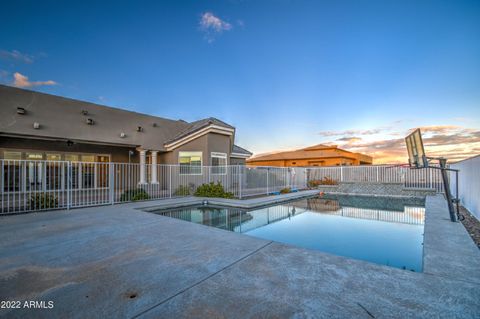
<point x="240" y="150"/>
<point x="197" y="125"/>
<point x="63" y="118"/>
<point x="311" y="152"/>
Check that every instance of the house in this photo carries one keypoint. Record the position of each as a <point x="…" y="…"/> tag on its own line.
<point x="38" y="126"/>
<point x="317" y="155"/>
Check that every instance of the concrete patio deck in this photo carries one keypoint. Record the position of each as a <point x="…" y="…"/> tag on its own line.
<point x="118" y="261"/>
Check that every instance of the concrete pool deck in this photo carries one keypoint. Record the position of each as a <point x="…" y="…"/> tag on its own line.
<point x="118" y="261"/>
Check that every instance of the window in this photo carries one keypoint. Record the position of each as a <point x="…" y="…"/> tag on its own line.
<point x="87" y="171"/>
<point x="34" y="156"/>
<point x="88" y="158"/>
<point x="53" y="171"/>
<point x="190" y="163"/>
<point x="219" y="163"/>
<point x="11" y="171"/>
<point x="54" y="157"/>
<point x="71" y="157"/>
<point x="12" y="155"/>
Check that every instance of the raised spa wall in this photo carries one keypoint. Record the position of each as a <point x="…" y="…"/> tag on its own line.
<point x="379" y="189"/>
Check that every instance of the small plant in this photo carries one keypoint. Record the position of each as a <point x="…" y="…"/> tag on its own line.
<point x="134" y="195"/>
<point x="183" y="190"/>
<point x="212" y="190"/>
<point x="43" y="201"/>
<point x="285" y="190"/>
<point x="324" y="181"/>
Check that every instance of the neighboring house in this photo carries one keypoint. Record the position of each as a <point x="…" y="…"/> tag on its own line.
<point x="38" y="126"/>
<point x="317" y="155"/>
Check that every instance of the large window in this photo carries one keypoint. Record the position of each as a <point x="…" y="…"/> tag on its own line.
<point x="12" y="171"/>
<point x="219" y="163"/>
<point x="29" y="170"/>
<point x="190" y="163"/>
<point x="11" y="155"/>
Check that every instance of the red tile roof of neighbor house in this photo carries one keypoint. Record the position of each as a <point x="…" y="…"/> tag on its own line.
<point x="311" y="152"/>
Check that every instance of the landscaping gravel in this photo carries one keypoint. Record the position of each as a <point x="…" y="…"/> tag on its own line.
<point x="472" y="225"/>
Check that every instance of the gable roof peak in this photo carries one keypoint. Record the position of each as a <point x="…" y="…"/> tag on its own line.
<point x="319" y="147"/>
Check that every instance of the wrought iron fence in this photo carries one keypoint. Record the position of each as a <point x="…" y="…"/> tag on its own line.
<point x="42" y="185"/>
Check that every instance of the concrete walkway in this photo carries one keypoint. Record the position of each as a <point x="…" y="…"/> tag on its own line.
<point x="120" y="262"/>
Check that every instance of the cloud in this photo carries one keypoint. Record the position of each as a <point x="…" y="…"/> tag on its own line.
<point x="450" y="141"/>
<point x="212" y="26"/>
<point x="352" y="132"/>
<point x="349" y="139"/>
<point x="15" y="55"/>
<point x="439" y="129"/>
<point x="22" y="81"/>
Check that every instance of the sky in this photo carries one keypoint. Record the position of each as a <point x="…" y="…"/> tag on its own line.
<point x="287" y="74"/>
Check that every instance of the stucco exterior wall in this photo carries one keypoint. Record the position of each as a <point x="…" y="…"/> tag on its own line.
<point x="206" y="144"/>
<point x="305" y="162"/>
<point x="117" y="154"/>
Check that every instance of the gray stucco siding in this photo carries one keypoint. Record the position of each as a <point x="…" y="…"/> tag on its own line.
<point x="237" y="161"/>
<point x="206" y="144"/>
<point x="117" y="154"/>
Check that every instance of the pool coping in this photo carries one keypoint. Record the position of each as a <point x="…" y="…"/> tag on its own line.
<point x="107" y="245"/>
<point x="455" y="241"/>
<point x="237" y="203"/>
<point x="448" y="249"/>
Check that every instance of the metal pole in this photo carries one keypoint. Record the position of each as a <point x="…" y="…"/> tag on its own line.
<point x="268" y="170"/>
<point x="456" y="193"/>
<point x="170" y="181"/>
<point x="69" y="185"/>
<point x="240" y="181"/>
<point x="446" y="186"/>
<point x="111" y="182"/>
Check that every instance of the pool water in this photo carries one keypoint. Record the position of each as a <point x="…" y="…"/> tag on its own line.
<point x="382" y="230"/>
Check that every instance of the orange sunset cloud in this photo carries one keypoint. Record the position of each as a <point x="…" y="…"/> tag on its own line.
<point x="450" y="141"/>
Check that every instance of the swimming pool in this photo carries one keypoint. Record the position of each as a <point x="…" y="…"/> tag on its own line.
<point x="383" y="230"/>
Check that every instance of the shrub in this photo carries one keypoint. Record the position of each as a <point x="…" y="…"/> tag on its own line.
<point x="212" y="190"/>
<point x="183" y="190"/>
<point x="134" y="195"/>
<point x="324" y="181"/>
<point x="43" y="201"/>
<point x="285" y="190"/>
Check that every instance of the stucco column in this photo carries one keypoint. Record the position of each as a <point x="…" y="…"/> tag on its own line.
<point x="143" y="160"/>
<point x="153" y="171"/>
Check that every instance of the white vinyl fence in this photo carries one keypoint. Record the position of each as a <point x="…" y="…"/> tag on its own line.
<point x="42" y="185"/>
<point x="468" y="183"/>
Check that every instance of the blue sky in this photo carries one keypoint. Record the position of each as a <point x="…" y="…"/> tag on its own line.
<point x="285" y="73"/>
